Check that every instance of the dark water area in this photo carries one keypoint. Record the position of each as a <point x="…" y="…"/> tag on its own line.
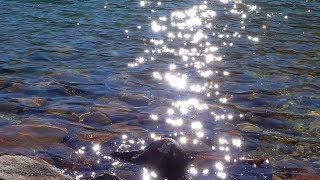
<point x="227" y="79"/>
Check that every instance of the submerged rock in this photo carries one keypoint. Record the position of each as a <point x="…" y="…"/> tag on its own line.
<point x="136" y="99"/>
<point x="21" y="167"/>
<point x="166" y="156"/>
<point x="19" y="138"/>
<point x="31" y="102"/>
<point x="96" y="119"/>
<point x="248" y="127"/>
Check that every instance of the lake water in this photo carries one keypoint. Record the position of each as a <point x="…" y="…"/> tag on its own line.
<point x="227" y="79"/>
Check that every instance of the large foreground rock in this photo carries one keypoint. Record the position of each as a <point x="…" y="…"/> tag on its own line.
<point x="21" y="167"/>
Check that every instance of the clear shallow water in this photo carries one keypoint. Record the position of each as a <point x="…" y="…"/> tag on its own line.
<point x="224" y="88"/>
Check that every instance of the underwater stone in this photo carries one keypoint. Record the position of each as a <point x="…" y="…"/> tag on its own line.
<point x="32" y="102"/>
<point x="10" y="107"/>
<point x="165" y="156"/>
<point x="96" y="119"/>
<point x="19" y="138"/>
<point x="248" y="127"/>
<point x="136" y="99"/>
<point x="315" y="128"/>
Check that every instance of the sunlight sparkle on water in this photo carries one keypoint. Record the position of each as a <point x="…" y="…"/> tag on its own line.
<point x="196" y="125"/>
<point x="187" y="44"/>
<point x="154" y="117"/>
<point x="183" y="140"/>
<point x="96" y="147"/>
<point x="176" y="81"/>
<point x="193" y="171"/>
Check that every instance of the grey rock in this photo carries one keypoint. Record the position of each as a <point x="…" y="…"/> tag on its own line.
<point x="20" y="167"/>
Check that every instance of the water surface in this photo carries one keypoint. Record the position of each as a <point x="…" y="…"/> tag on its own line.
<point x="227" y="79"/>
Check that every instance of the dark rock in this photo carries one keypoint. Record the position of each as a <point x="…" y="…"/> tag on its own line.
<point x="166" y="156"/>
<point x="96" y="119"/>
<point x="21" y="167"/>
<point x="3" y="83"/>
<point x="107" y="176"/>
<point x="10" y="107"/>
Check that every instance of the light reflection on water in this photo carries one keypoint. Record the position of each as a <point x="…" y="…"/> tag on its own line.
<point x="192" y="39"/>
<point x="190" y="36"/>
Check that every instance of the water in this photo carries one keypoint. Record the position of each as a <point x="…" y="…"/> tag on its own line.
<point x="228" y="80"/>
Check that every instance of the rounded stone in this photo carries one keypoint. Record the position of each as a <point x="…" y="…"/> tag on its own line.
<point x="96" y="119"/>
<point x="248" y="127"/>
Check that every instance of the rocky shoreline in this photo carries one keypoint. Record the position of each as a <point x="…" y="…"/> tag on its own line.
<point x="15" y="167"/>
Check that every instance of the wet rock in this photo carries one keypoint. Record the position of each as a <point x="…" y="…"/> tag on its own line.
<point x="10" y="107"/>
<point x="96" y="119"/>
<point x="299" y="127"/>
<point x="32" y="102"/>
<point x="248" y="127"/>
<point x="126" y="128"/>
<point x="20" y="167"/>
<point x="15" y="87"/>
<point x="307" y="176"/>
<point x="94" y="136"/>
<point x="299" y="151"/>
<point x="117" y="112"/>
<point x="315" y="128"/>
<point x="145" y="119"/>
<point x="20" y="138"/>
<point x="136" y="99"/>
<point x="3" y="83"/>
<point x="289" y="165"/>
<point x="107" y="176"/>
<point x="165" y="156"/>
<point x="33" y="120"/>
<point x="63" y="112"/>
